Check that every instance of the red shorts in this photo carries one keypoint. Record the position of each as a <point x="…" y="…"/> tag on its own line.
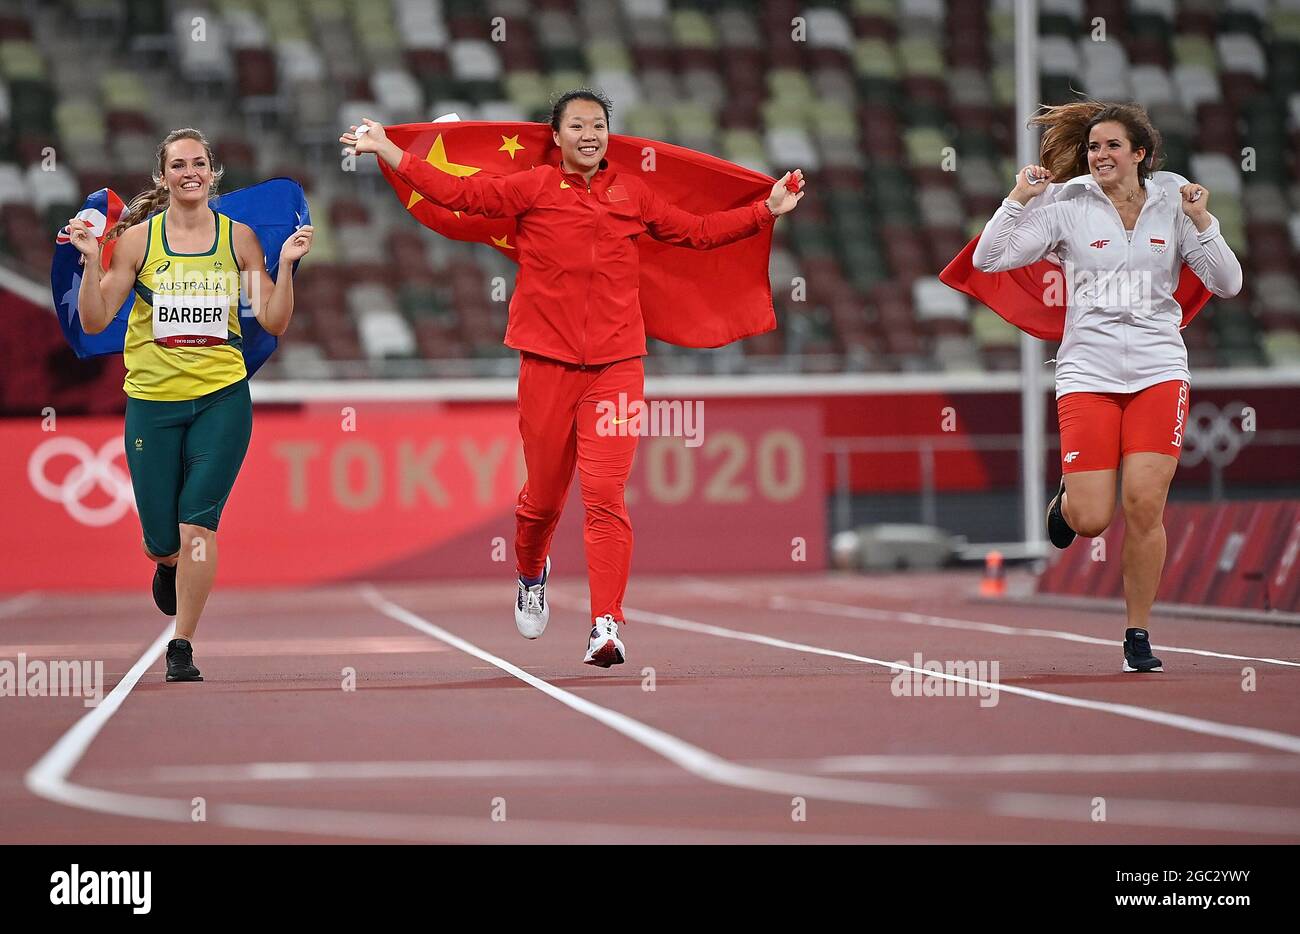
<point x="1099" y="428"/>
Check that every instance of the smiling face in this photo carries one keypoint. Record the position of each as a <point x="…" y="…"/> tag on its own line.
<point x="1112" y="160"/>
<point x="583" y="135"/>
<point x="187" y="172"/>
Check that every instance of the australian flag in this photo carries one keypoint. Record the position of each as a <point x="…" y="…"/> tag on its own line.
<point x="274" y="209"/>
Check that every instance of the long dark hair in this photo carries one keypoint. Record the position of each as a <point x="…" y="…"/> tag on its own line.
<point x="1064" y="151"/>
<point x="579" y="94"/>
<point x="154" y="199"/>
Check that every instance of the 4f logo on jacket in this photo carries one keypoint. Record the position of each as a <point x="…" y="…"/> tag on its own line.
<point x="1099" y="244"/>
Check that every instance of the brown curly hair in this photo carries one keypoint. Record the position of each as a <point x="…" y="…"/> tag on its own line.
<point x="1064" y="150"/>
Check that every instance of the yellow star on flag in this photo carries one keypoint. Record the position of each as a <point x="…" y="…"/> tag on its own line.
<point x="437" y="158"/>
<point x="564" y="185"/>
<point x="501" y="242"/>
<point x="511" y="145"/>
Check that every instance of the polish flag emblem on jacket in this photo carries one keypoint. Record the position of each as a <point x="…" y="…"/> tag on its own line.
<point x="1157" y="245"/>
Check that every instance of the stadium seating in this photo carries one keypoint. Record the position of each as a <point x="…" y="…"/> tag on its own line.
<point x="899" y="111"/>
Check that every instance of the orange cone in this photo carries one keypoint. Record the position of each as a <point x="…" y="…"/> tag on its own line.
<point x="994" y="583"/>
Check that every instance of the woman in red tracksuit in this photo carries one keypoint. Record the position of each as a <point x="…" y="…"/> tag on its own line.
<point x="576" y="320"/>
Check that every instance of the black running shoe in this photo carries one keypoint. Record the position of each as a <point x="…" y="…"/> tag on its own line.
<point x="1058" y="530"/>
<point x="1137" y="652"/>
<point x="180" y="661"/>
<point x="164" y="589"/>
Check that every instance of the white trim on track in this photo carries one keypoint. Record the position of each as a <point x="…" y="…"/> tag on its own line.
<point x="1270" y="739"/>
<point x="876" y="614"/>
<point x="715" y="769"/>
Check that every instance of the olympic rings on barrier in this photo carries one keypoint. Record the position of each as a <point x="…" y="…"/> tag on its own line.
<point x="93" y="470"/>
<point x="1214" y="435"/>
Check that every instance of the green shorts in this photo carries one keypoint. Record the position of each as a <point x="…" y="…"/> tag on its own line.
<point x="184" y="457"/>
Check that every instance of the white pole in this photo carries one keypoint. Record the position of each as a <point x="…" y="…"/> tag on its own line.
<point x="1031" y="353"/>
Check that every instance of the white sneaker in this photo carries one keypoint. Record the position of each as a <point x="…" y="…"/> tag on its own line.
<point x="604" y="648"/>
<point x="531" y="610"/>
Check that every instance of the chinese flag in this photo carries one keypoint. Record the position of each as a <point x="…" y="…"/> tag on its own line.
<point x="691" y="298"/>
<point x="1018" y="294"/>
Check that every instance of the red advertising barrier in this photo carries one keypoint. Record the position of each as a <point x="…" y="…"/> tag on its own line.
<point x="413" y="491"/>
<point x="1239" y="555"/>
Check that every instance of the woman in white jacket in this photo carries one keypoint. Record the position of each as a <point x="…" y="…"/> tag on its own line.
<point x="1122" y="232"/>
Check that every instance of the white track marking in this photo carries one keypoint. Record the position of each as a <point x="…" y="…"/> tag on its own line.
<point x="715" y="769"/>
<point x="413" y="769"/>
<point x="826" y="608"/>
<point x="1203" y="815"/>
<point x="48" y="778"/>
<point x="1245" y="734"/>
<point x="17" y="604"/>
<point x="1026" y="763"/>
<point x="693" y="759"/>
<point x="657" y="772"/>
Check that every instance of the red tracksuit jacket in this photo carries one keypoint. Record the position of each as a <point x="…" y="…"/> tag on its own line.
<point x="576" y="292"/>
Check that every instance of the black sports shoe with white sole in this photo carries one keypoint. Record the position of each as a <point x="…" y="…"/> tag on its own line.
<point x="1137" y="652"/>
<point x="1058" y="530"/>
<point x="164" y="589"/>
<point x="180" y="661"/>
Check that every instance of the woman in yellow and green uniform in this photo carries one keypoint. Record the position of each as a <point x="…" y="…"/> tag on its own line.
<point x="188" y="413"/>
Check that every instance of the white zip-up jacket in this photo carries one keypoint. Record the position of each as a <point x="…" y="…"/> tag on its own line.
<point x="1121" y="321"/>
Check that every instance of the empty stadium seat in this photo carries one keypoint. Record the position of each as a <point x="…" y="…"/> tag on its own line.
<point x="869" y="106"/>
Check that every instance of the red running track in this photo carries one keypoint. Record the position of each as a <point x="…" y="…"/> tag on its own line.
<point x="774" y="717"/>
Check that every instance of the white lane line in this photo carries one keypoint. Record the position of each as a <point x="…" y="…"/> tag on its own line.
<point x="1201" y="815"/>
<point x="410" y="769"/>
<point x="658" y="772"/>
<point x="17" y="604"/>
<point x="1057" y="763"/>
<point x="826" y="608"/>
<point x="48" y="778"/>
<point x="715" y="769"/>
<point x="693" y="759"/>
<point x="1245" y="734"/>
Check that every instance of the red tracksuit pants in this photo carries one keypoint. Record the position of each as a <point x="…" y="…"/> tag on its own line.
<point x="562" y="428"/>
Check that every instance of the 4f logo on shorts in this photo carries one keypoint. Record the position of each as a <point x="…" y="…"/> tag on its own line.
<point x="1069" y="458"/>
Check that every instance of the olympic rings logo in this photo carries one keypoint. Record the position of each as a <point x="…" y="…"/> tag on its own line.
<point x="1214" y="435"/>
<point x="94" y="469"/>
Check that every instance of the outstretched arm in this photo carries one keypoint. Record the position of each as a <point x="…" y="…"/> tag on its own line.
<point x="489" y="195"/>
<point x="672" y="224"/>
